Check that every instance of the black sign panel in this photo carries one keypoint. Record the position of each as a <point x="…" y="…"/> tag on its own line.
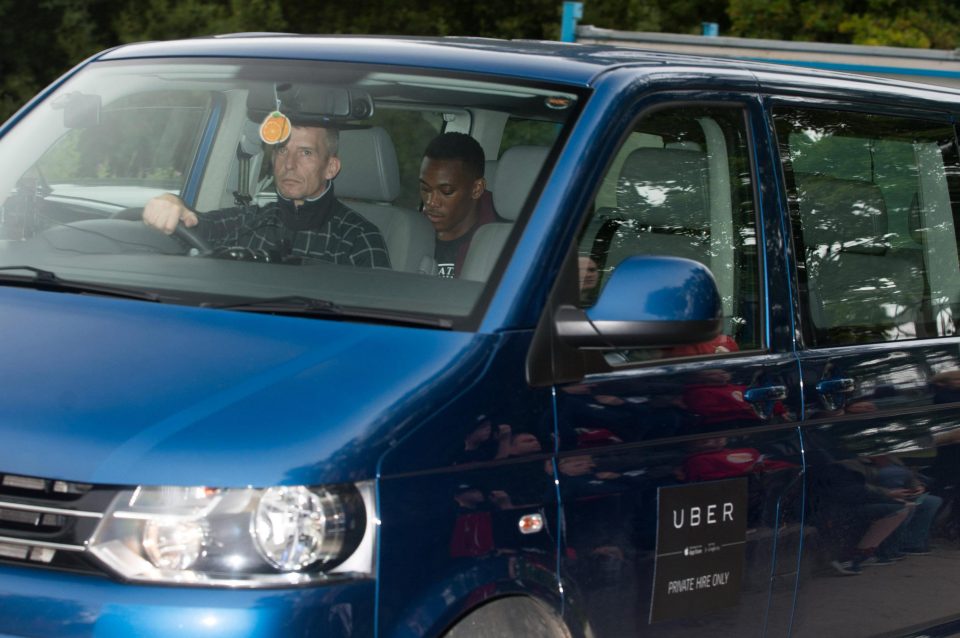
<point x="701" y="538"/>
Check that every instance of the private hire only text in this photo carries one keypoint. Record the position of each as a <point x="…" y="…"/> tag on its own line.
<point x="700" y="582"/>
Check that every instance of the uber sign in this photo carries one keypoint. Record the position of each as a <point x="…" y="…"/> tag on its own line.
<point x="701" y="536"/>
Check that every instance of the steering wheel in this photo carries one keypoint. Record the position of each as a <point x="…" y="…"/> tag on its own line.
<point x="197" y="246"/>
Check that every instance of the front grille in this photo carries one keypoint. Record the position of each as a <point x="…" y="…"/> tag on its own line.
<point x="48" y="523"/>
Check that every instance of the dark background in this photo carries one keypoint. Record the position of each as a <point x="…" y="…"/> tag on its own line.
<point x="41" y="39"/>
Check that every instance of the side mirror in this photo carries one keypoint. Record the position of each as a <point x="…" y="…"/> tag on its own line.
<point x="647" y="301"/>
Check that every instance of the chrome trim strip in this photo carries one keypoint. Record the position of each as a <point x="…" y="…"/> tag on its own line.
<point x="49" y="510"/>
<point x="32" y="543"/>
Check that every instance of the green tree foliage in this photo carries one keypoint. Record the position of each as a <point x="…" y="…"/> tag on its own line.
<point x="167" y="19"/>
<point x="671" y="16"/>
<point x="920" y="23"/>
<point x="535" y="19"/>
<point x="42" y="39"/>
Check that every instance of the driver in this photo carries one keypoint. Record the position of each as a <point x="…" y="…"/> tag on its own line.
<point x="307" y="222"/>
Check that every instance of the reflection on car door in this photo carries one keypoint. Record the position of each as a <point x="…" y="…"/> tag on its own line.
<point x="680" y="468"/>
<point x="874" y="230"/>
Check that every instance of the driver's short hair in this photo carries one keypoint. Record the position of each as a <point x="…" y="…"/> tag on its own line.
<point x="331" y="138"/>
<point x="333" y="141"/>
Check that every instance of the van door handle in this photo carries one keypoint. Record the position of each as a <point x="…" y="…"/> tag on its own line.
<point x="766" y="393"/>
<point x="836" y="386"/>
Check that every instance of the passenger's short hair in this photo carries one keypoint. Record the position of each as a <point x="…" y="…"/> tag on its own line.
<point x="458" y="146"/>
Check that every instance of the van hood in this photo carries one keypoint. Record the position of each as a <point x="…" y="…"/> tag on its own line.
<point x="113" y="391"/>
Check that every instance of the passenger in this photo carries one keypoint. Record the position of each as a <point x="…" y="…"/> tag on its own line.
<point x="306" y="223"/>
<point x="455" y="197"/>
<point x="589" y="278"/>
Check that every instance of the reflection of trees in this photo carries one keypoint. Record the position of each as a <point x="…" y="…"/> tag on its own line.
<point x="858" y="194"/>
<point x="683" y="300"/>
<point x="890" y="381"/>
<point x="146" y="137"/>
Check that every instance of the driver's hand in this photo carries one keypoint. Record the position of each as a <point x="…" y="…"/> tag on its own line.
<point x="165" y="211"/>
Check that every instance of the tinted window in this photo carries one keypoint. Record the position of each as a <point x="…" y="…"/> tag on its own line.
<point x="873" y="201"/>
<point x="681" y="186"/>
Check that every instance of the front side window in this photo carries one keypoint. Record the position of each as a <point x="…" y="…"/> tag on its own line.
<point x="873" y="203"/>
<point x="681" y="186"/>
<point x="81" y="167"/>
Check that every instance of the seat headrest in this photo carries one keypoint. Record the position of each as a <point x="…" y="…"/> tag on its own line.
<point x="665" y="188"/>
<point x="849" y="214"/>
<point x="517" y="170"/>
<point x="490" y="174"/>
<point x="369" y="169"/>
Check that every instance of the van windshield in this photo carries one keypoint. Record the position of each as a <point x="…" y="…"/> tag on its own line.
<point x="291" y="179"/>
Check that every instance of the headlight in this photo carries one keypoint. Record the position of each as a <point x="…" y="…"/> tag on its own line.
<point x="277" y="536"/>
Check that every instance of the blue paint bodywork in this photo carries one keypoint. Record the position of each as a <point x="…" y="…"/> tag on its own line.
<point x="123" y="393"/>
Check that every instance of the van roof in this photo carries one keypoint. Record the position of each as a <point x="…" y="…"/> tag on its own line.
<point x="547" y="61"/>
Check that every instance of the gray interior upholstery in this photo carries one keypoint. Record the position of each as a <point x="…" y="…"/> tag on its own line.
<point x="860" y="287"/>
<point x="663" y="197"/>
<point x="516" y="172"/>
<point x="369" y="182"/>
<point x="490" y="174"/>
<point x="847" y="215"/>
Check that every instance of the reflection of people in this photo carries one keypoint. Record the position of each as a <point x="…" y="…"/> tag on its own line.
<point x="718" y="345"/>
<point x="455" y="197"/>
<point x="306" y="221"/>
<point x="913" y="536"/>
<point x="946" y="386"/>
<point x="719" y="401"/>
<point x="715" y="458"/>
<point x="595" y="419"/>
<point x="515" y="444"/>
<point x="712" y="459"/>
<point x="589" y="278"/>
<point x="872" y="511"/>
<point x="486" y="442"/>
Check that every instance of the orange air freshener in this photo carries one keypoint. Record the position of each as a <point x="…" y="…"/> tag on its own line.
<point x="275" y="128"/>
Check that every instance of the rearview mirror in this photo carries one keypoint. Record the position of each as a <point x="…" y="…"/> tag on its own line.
<point x="80" y="110"/>
<point x="309" y="104"/>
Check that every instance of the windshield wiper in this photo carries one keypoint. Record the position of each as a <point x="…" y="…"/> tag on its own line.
<point x="300" y="305"/>
<point x="285" y="304"/>
<point x="48" y="280"/>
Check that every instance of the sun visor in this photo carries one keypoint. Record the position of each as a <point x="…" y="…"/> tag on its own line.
<point x="311" y="105"/>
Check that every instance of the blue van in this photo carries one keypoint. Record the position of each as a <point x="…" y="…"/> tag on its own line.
<point x="699" y="375"/>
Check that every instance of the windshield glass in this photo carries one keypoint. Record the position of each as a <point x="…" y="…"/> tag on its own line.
<point x="221" y="182"/>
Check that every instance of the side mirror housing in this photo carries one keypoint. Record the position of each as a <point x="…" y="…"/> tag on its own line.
<point x="647" y="301"/>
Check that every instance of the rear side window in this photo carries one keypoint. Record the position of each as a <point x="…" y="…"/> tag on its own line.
<point x="681" y="185"/>
<point x="873" y="203"/>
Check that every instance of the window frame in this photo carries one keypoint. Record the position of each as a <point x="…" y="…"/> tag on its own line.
<point x="571" y="363"/>
<point x="739" y="103"/>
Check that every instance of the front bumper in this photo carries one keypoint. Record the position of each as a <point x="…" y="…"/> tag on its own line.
<point x="39" y="602"/>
